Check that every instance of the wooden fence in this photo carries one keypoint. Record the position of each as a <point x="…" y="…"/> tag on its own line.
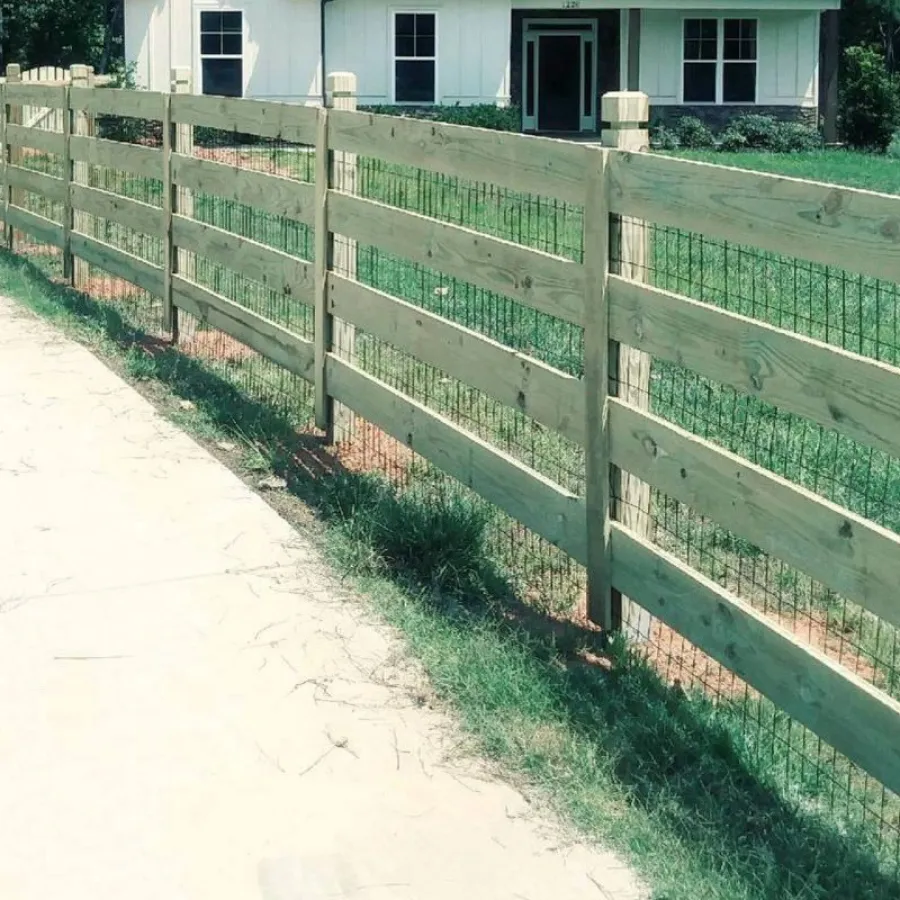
<point x="624" y="322"/>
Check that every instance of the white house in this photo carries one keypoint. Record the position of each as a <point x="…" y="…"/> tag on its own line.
<point x="552" y="58"/>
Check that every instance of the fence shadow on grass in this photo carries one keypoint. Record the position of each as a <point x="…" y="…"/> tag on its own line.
<point x="672" y="755"/>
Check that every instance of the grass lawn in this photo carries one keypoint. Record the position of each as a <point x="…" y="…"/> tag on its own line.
<point x="868" y="171"/>
<point x="656" y="773"/>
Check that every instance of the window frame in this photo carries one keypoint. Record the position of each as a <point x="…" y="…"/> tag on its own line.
<point x="394" y="59"/>
<point x="202" y="8"/>
<point x="720" y="62"/>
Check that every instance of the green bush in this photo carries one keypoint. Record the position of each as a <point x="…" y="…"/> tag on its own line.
<point x="693" y="134"/>
<point x="793" y="137"/>
<point x="479" y="115"/>
<point x="760" y="132"/>
<point x="663" y="138"/>
<point x="868" y="100"/>
<point x="732" y="141"/>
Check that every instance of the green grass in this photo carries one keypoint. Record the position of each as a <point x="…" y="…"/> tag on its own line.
<point x="873" y="172"/>
<point x="683" y="789"/>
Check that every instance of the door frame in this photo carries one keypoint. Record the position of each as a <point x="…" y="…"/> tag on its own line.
<point x="532" y="31"/>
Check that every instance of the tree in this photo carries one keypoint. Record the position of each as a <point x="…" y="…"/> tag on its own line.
<point x="872" y="22"/>
<point x="60" y="32"/>
<point x="868" y="100"/>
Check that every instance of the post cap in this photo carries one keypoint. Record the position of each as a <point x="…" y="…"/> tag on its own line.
<point x="625" y="108"/>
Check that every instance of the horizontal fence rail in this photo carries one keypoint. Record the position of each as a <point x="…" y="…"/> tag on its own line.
<point x="323" y="273"/>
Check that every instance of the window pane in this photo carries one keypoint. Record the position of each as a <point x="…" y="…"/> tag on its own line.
<point x="223" y="77"/>
<point x="404" y="45"/>
<point x="210" y="21"/>
<point x="700" y="39"/>
<point x="425" y="45"/>
<point x="740" y="39"/>
<point x="405" y="23"/>
<point x="232" y="21"/>
<point x="692" y="29"/>
<point x="232" y="44"/>
<point x="414" y="81"/>
<point x="210" y="44"/>
<point x="739" y="83"/>
<point x="708" y="49"/>
<point x="425" y="23"/>
<point x="700" y="82"/>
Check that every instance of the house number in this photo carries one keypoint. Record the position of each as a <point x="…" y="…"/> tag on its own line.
<point x="571" y="4"/>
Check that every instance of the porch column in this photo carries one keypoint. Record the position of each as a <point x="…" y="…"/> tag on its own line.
<point x="829" y="59"/>
<point x="633" y="51"/>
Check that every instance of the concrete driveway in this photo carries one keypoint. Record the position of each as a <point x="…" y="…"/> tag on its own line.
<point x="190" y="707"/>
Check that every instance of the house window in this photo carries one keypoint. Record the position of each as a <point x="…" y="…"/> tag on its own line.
<point x="719" y="61"/>
<point x="222" y="53"/>
<point x="415" y="57"/>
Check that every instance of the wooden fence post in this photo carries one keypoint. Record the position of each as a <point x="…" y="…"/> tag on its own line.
<point x="596" y="386"/>
<point x="13" y="154"/>
<point x="68" y="212"/>
<point x="627" y="114"/>
<point x="82" y="125"/>
<point x="336" y="170"/>
<point x="176" y="139"/>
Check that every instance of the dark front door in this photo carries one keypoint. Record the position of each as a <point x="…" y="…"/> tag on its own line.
<point x="559" y="82"/>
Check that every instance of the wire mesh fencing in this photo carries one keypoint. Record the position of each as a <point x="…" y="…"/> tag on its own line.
<point x="234" y="221"/>
<point x="536" y="569"/>
<point x="844" y="310"/>
<point x="825" y="303"/>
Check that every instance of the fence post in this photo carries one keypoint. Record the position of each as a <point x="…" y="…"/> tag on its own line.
<point x="336" y="170"/>
<point x="178" y="139"/>
<point x="83" y="126"/>
<point x="627" y="114"/>
<point x="596" y="388"/>
<point x="13" y="154"/>
<point x="68" y="212"/>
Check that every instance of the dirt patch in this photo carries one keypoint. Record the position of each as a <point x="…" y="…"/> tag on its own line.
<point x="374" y="451"/>
<point x="244" y="159"/>
<point x="215" y="345"/>
<point x="680" y="663"/>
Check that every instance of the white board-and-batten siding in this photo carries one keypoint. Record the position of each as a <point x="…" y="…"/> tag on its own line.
<point x="787" y="54"/>
<point x="282" y="41"/>
<point x="281" y="44"/>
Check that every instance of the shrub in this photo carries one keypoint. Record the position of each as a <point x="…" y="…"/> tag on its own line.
<point x="868" y="110"/>
<point x="479" y="115"/>
<point x="732" y="141"/>
<point x="694" y="134"/>
<point x="760" y="132"/>
<point x="663" y="138"/>
<point x="793" y="137"/>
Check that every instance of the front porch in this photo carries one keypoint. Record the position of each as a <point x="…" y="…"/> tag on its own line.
<point x="562" y="61"/>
